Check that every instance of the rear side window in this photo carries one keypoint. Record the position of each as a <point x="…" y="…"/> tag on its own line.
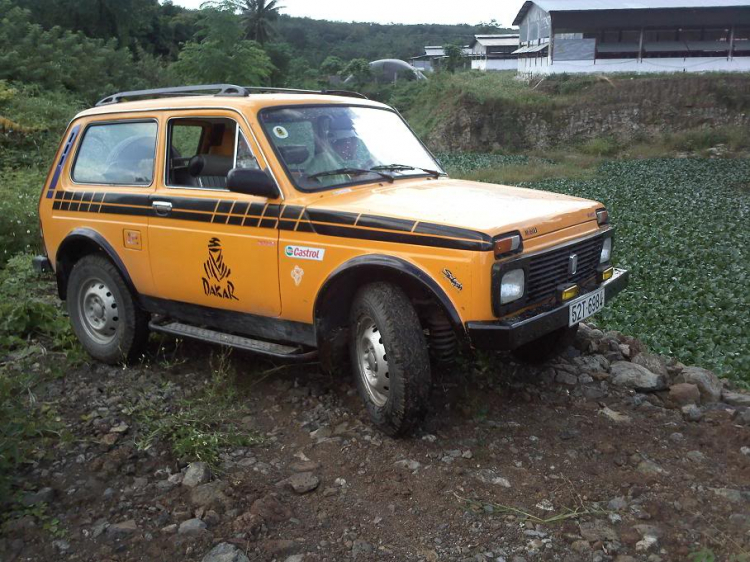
<point x="117" y="154"/>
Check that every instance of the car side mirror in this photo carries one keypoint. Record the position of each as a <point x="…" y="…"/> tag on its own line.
<point x="252" y="182"/>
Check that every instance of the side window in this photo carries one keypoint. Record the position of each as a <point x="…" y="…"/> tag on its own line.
<point x="117" y="154"/>
<point x="202" y="151"/>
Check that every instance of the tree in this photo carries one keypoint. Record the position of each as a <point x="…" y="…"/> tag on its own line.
<point x="453" y="56"/>
<point x="357" y="71"/>
<point x="220" y="54"/>
<point x="331" y="66"/>
<point x="257" y="16"/>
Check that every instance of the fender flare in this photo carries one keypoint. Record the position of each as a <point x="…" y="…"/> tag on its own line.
<point x="89" y="235"/>
<point x="397" y="265"/>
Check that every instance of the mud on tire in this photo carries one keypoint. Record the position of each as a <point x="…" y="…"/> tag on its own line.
<point x="389" y="357"/>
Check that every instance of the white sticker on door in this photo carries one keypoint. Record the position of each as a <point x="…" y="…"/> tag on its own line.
<point x="297" y="274"/>
<point x="304" y="253"/>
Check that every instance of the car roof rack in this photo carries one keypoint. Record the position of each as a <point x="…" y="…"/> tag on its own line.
<point x="219" y="90"/>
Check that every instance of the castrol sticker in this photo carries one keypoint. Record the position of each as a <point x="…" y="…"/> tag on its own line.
<point x="304" y="253"/>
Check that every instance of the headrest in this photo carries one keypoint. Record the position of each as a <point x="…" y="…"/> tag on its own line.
<point x="210" y="165"/>
<point x="294" y="154"/>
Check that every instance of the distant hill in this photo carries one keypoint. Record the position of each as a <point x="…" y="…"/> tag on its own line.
<point x="316" y="39"/>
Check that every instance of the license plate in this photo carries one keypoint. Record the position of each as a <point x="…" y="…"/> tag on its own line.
<point x="585" y="306"/>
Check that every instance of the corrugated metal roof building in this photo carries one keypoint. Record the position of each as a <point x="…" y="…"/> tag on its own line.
<point x="578" y="36"/>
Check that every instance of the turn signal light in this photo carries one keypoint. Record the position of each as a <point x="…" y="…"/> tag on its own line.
<point x="602" y="217"/>
<point x="606" y="273"/>
<point x="507" y="245"/>
<point x="569" y="292"/>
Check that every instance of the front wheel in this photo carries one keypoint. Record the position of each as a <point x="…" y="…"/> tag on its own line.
<point x="105" y="317"/>
<point x="390" y="358"/>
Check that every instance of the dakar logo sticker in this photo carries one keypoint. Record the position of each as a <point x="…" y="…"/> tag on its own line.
<point x="297" y="274"/>
<point x="216" y="283"/>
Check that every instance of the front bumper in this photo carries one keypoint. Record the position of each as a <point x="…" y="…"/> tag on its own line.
<point x="507" y="335"/>
<point x="41" y="264"/>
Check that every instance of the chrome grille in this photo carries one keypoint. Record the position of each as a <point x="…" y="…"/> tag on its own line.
<point x="550" y="269"/>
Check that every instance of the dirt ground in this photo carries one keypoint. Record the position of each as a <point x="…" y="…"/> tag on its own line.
<point x="513" y="463"/>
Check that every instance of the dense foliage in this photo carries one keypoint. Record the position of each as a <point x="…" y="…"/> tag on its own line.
<point x="682" y="231"/>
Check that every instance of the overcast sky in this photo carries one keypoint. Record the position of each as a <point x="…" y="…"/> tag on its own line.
<point x="398" y="11"/>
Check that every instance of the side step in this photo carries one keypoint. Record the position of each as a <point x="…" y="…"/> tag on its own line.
<point x="269" y="349"/>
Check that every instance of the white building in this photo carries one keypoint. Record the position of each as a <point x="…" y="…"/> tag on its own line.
<point x="494" y="52"/>
<point x="585" y="36"/>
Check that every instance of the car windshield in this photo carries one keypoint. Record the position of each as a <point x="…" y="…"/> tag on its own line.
<point x="331" y="146"/>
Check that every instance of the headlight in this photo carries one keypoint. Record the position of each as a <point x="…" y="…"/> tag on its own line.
<point x="512" y="286"/>
<point x="606" y="251"/>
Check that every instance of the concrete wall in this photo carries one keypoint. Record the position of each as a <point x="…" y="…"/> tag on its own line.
<point x="541" y="66"/>
<point x="494" y="64"/>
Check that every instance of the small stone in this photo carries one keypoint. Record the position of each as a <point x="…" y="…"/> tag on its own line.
<point x="192" y="526"/>
<point x="110" y="439"/>
<point x="209" y="495"/>
<point x="617" y="504"/>
<point x="169" y="529"/>
<point x="122" y="529"/>
<point x="683" y="394"/>
<point x="61" y="546"/>
<point x="652" y="362"/>
<point x="692" y="413"/>
<point x="708" y="383"/>
<point x="43" y="495"/>
<point x="581" y="547"/>
<point x="321" y="433"/>
<point x="597" y="530"/>
<point x="225" y="552"/>
<point x="489" y="476"/>
<point x="408" y="464"/>
<point x="734" y="496"/>
<point x="269" y="507"/>
<point x="295" y="558"/>
<point x="696" y="456"/>
<point x="121" y="427"/>
<point x="630" y="375"/>
<point x="614" y="416"/>
<point x="650" y="468"/>
<point x="197" y="473"/>
<point x="303" y="482"/>
<point x="736" y="399"/>
<point x="361" y="548"/>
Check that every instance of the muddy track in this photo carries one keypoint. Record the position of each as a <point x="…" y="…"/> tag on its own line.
<point x="566" y="461"/>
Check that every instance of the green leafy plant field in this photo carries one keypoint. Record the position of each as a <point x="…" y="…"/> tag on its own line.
<point x="682" y="230"/>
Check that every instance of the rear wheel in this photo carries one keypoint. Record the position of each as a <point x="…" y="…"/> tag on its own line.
<point x="548" y="346"/>
<point x="105" y="317"/>
<point x="390" y="358"/>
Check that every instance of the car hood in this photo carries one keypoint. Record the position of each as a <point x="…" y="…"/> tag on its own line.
<point x="488" y="208"/>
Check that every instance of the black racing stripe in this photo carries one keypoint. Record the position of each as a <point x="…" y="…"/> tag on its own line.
<point x="268" y="223"/>
<point x="190" y="203"/>
<point x="99" y="196"/>
<point x="251" y="221"/>
<point x="65" y="206"/>
<point x="272" y="211"/>
<point x="287" y="225"/>
<point x="131" y="199"/>
<point x="123" y="210"/>
<point x="59" y="195"/>
<point x="401" y="238"/>
<point x="67" y="196"/>
<point x="452" y="231"/>
<point x="305" y="226"/>
<point x="56" y="206"/>
<point x="76" y="195"/>
<point x="256" y="209"/>
<point x="335" y="217"/>
<point x="86" y="204"/>
<point x="292" y="212"/>
<point x="235" y="220"/>
<point x="240" y="208"/>
<point x="220" y="219"/>
<point x="185" y="216"/>
<point x="224" y="206"/>
<point x="386" y="223"/>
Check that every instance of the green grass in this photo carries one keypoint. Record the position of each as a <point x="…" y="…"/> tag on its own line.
<point x="682" y="231"/>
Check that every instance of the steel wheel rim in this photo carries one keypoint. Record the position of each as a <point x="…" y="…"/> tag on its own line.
<point x="99" y="312"/>
<point x="372" y="361"/>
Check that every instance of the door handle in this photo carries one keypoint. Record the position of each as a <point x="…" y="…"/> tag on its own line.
<point x="162" y="208"/>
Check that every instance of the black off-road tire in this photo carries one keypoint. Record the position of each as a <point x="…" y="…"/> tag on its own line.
<point x="407" y="359"/>
<point x="547" y="347"/>
<point x="95" y="284"/>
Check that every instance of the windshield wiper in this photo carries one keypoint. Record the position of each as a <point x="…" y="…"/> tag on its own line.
<point x="350" y="172"/>
<point x="400" y="167"/>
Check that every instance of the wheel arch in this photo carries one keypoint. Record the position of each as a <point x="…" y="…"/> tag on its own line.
<point x="82" y="242"/>
<point x="334" y="299"/>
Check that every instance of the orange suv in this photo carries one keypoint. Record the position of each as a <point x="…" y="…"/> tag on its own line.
<point x="300" y="224"/>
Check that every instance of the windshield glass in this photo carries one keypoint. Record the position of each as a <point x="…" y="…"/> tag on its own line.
<point x="334" y="145"/>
